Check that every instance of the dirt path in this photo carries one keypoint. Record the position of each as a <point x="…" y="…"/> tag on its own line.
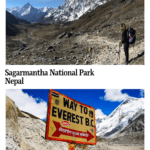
<point x="109" y="49"/>
<point x="117" y="147"/>
<point x="105" y="146"/>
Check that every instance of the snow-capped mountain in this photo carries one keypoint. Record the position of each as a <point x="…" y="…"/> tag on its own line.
<point x="13" y="8"/>
<point x="43" y="9"/>
<point x="26" y="12"/>
<point x="30" y="13"/>
<point x="71" y="10"/>
<point x="126" y="113"/>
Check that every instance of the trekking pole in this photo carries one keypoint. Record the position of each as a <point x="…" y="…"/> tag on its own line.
<point x="119" y="53"/>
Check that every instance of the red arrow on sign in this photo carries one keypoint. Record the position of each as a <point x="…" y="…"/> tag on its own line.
<point x="70" y="132"/>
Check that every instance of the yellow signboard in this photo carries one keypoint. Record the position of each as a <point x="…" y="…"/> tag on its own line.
<point x="69" y="120"/>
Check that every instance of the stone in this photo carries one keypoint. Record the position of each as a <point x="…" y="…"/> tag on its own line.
<point x="89" y="49"/>
<point x="62" y="35"/>
<point x="75" y="45"/>
<point x="56" y="58"/>
<point x="50" y="49"/>
<point x="69" y="34"/>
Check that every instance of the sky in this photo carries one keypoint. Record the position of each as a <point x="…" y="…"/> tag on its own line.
<point x="34" y="3"/>
<point x="104" y="101"/>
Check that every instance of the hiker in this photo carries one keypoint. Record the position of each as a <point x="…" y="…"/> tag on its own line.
<point x="125" y="41"/>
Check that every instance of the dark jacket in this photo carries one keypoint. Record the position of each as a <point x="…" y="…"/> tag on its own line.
<point x="125" y="37"/>
<point x="125" y="41"/>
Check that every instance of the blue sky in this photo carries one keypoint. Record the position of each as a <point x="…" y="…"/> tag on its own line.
<point x="104" y="101"/>
<point x="34" y="3"/>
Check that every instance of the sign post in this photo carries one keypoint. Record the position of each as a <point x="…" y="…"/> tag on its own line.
<point x="71" y="146"/>
<point x="69" y="120"/>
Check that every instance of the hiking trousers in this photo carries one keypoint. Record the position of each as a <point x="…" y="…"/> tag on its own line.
<point x="126" y="50"/>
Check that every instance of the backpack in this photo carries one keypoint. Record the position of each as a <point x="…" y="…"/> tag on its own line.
<point x="131" y="35"/>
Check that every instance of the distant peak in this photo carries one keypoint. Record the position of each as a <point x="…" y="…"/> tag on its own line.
<point x="28" y="4"/>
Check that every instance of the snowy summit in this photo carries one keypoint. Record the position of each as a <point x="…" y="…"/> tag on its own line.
<point x="120" y="118"/>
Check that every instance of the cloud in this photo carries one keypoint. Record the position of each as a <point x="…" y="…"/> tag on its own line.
<point x="27" y="103"/>
<point x="142" y="93"/>
<point x="115" y="95"/>
<point x="99" y="113"/>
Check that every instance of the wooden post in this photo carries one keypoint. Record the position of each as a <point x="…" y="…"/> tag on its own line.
<point x="71" y="146"/>
<point x="84" y="147"/>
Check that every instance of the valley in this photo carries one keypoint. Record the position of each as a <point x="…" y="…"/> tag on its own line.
<point x="93" y="39"/>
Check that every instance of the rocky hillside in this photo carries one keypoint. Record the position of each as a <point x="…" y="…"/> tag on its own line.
<point x="11" y="30"/>
<point x="24" y="131"/>
<point x="13" y="20"/>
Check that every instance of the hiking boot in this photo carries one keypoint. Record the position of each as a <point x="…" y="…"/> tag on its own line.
<point x="126" y="63"/>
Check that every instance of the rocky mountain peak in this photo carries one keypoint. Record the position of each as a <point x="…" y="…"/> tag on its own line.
<point x="71" y="10"/>
<point x="119" y="120"/>
<point x="27" y="5"/>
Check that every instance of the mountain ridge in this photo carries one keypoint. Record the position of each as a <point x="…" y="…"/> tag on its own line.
<point x="121" y="119"/>
<point x="70" y="11"/>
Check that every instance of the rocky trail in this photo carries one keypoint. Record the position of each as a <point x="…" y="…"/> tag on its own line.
<point x="72" y="49"/>
<point x="105" y="146"/>
<point x="107" y="50"/>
